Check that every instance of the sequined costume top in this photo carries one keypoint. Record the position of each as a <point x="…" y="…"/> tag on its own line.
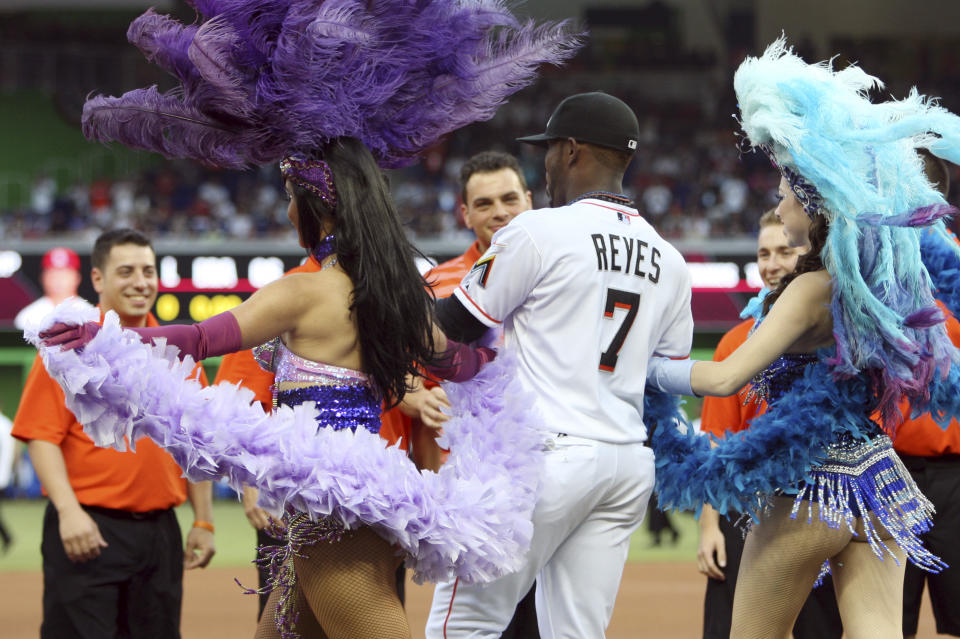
<point x="778" y="378"/>
<point x="344" y="398"/>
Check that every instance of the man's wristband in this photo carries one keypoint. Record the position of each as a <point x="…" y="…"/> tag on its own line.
<point x="206" y="525"/>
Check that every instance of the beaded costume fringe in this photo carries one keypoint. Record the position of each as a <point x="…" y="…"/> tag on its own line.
<point x="787" y="446"/>
<point x="300" y="531"/>
<point x="869" y="483"/>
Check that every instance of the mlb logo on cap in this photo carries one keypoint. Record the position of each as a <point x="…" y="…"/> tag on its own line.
<point x="596" y="118"/>
<point x="60" y="257"/>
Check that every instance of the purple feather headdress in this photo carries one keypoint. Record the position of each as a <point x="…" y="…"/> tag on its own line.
<point x="261" y="79"/>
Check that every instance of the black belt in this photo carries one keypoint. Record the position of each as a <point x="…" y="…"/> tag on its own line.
<point x="916" y="462"/>
<point x="127" y="514"/>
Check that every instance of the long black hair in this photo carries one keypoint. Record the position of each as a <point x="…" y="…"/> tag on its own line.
<point x="391" y="301"/>
<point x="812" y="260"/>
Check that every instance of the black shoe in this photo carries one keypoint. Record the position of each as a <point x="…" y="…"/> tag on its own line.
<point x="6" y="540"/>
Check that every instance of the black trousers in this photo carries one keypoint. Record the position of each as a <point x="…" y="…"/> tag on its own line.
<point x="524" y="622"/>
<point x="939" y="479"/>
<point x="133" y="589"/>
<point x="819" y="618"/>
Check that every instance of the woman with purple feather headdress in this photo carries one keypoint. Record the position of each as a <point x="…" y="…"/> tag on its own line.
<point x="331" y="89"/>
<point x="853" y="331"/>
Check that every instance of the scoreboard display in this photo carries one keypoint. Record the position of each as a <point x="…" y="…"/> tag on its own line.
<point x="197" y="284"/>
<point x="191" y="288"/>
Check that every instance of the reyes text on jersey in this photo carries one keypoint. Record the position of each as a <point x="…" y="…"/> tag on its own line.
<point x="628" y="255"/>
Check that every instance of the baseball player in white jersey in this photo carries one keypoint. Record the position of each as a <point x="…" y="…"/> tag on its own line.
<point x="586" y="292"/>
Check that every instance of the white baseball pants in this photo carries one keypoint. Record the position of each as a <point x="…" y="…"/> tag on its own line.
<point x="594" y="496"/>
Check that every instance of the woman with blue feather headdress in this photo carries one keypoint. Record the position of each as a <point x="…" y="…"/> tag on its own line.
<point x="851" y="332"/>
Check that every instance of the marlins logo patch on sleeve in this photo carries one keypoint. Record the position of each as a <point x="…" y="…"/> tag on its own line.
<point x="480" y="272"/>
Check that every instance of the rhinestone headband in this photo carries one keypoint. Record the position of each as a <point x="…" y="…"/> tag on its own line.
<point x="313" y="175"/>
<point x="807" y="194"/>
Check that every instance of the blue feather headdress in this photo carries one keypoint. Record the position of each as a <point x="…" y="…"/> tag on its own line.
<point x="861" y="158"/>
<point x="261" y="79"/>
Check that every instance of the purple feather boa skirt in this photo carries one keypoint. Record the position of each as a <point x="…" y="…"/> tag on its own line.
<point x="471" y="520"/>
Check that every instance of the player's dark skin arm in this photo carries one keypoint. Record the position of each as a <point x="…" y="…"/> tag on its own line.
<point x="457" y="322"/>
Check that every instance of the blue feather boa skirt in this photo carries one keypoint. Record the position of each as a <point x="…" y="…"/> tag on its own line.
<point x="471" y="520"/>
<point x="815" y="441"/>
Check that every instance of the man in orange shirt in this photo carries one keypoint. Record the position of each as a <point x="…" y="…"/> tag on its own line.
<point x="932" y="455"/>
<point x="493" y="191"/>
<point x="721" y="542"/>
<point x="113" y="557"/>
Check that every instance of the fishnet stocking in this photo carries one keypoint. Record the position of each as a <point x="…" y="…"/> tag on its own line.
<point x="781" y="561"/>
<point x="869" y="592"/>
<point x="345" y="590"/>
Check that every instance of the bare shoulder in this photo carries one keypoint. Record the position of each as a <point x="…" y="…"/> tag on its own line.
<point x="299" y="281"/>
<point x="812" y="286"/>
<point x="306" y="288"/>
<point x="315" y="279"/>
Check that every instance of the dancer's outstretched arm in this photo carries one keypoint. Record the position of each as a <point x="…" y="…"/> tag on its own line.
<point x="271" y="311"/>
<point x="799" y="321"/>
<point x="275" y="309"/>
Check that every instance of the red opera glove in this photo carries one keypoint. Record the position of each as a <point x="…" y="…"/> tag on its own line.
<point x="69" y="336"/>
<point x="460" y="362"/>
<point x="218" y="335"/>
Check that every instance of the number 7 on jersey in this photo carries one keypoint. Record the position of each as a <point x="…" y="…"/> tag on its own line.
<point x="624" y="300"/>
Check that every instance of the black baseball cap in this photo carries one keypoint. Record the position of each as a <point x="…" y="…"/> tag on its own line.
<point x="596" y="118"/>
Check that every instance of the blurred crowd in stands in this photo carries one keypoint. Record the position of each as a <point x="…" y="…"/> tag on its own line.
<point x="690" y="178"/>
<point x="687" y="178"/>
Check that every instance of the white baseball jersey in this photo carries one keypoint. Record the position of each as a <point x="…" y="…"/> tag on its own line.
<point x="585" y="293"/>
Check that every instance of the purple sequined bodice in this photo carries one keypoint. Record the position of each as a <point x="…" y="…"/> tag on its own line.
<point x="344" y="398"/>
<point x="776" y="379"/>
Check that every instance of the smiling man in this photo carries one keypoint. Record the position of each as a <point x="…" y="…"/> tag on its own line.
<point x="493" y="192"/>
<point x="113" y="557"/>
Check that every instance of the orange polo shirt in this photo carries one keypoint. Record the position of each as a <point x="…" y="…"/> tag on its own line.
<point x="721" y="415"/>
<point x="922" y="437"/>
<point x="445" y="278"/>
<point x="241" y="368"/>
<point x="148" y="479"/>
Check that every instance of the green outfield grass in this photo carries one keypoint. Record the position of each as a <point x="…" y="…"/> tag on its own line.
<point x="235" y="538"/>
<point x="24" y="518"/>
